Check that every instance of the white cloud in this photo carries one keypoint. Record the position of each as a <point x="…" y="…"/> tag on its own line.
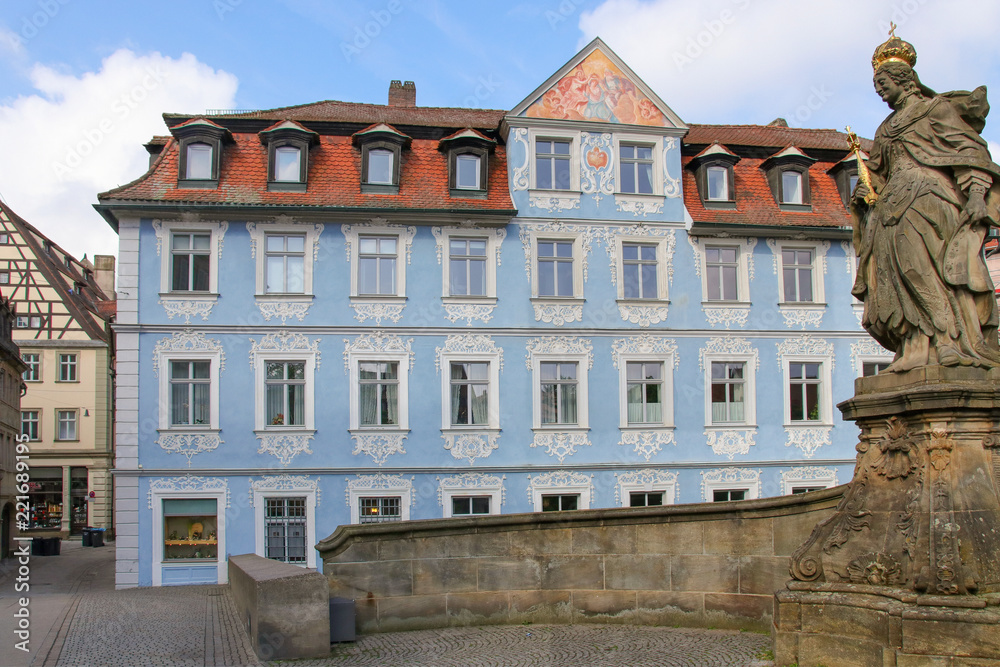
<point x="80" y="135"/>
<point x="749" y="61"/>
<point x="10" y="41"/>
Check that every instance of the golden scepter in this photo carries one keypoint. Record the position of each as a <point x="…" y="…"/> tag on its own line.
<point x="855" y="145"/>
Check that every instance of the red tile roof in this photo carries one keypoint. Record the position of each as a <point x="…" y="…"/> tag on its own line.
<point x="355" y="112"/>
<point x="769" y="136"/>
<point x="334" y="179"/>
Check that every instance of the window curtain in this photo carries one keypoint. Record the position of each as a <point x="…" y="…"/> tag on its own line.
<point x="390" y="404"/>
<point x="635" y="415"/>
<point x="368" y="397"/>
<point x="456" y="403"/>
<point x="275" y="405"/>
<point x="480" y="404"/>
<point x="568" y="404"/>
<point x="200" y="392"/>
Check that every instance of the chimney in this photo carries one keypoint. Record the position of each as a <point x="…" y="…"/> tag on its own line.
<point x="402" y="94"/>
<point x="104" y="274"/>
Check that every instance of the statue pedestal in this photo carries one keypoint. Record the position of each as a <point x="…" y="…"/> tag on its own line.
<point x="907" y="572"/>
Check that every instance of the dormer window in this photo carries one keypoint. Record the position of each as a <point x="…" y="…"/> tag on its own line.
<point x="788" y="175"/>
<point x="288" y="155"/>
<point x="468" y="156"/>
<point x="200" y="148"/>
<point x="713" y="169"/>
<point x="381" y="152"/>
<point x="845" y="174"/>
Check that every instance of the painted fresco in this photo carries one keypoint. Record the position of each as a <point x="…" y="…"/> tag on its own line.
<point x="597" y="90"/>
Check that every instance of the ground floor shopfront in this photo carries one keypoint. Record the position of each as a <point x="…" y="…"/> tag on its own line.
<point x="66" y="495"/>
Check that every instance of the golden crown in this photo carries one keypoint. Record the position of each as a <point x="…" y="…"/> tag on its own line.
<point x="894" y="50"/>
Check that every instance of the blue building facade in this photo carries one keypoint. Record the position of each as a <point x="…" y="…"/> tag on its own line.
<point x="348" y="313"/>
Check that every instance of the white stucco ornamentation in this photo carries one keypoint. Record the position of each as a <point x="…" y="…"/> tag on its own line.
<point x="188" y="444"/>
<point x="558" y="313"/>
<point x="495" y="236"/>
<point x="378" y="311"/>
<point x="187" y="308"/>
<point x="311" y="230"/>
<point x="726" y="316"/>
<point x="218" y="230"/>
<point x="638" y="206"/>
<point x="472" y="481"/>
<point x="671" y="186"/>
<point x="647" y="443"/>
<point x="638" y="233"/>
<point x="454" y="312"/>
<point x="746" y="246"/>
<point x="802" y="317"/>
<point x="522" y="174"/>
<point x="285" y="482"/>
<point x="378" y="445"/>
<point x="807" y="438"/>
<point x="728" y="345"/>
<point x="376" y="225"/>
<point x="805" y="345"/>
<point x="187" y="341"/>
<point x="555" y="203"/>
<point x="728" y="476"/>
<point x="597" y="180"/>
<point x="283" y="310"/>
<point x="379" y="482"/>
<point x="284" y="445"/>
<point x="466" y="343"/>
<point x="805" y="474"/>
<point x="471" y="446"/>
<point x="644" y="316"/>
<point x="561" y="444"/>
<point x="186" y="483"/>
<point x="559" y="479"/>
<point x="375" y="342"/>
<point x="866" y="349"/>
<point x="646" y="480"/>
<point x="821" y="247"/>
<point x="850" y="259"/>
<point x="644" y="343"/>
<point x="730" y="442"/>
<point x="559" y="345"/>
<point x="283" y="341"/>
<point x="587" y="234"/>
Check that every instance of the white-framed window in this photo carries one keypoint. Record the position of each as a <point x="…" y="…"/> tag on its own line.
<point x="284" y="263"/>
<point x="31" y="423"/>
<point x="646" y="393"/>
<point x="199" y="161"/>
<point x="33" y="361"/>
<point x="791" y="187"/>
<point x="646" y="488"/>
<point x="727" y="484"/>
<point x="288" y="164"/>
<point x="471" y="393"/>
<point x="560" y="502"/>
<point x="284" y="381"/>
<point x="636" y="168"/>
<point x="468" y="171"/>
<point x="380" y="509"/>
<point x="642" y="262"/>
<point x="66" y="425"/>
<point x="731" y="380"/>
<point x="559" y="393"/>
<point x="731" y="494"/>
<point x="807" y="390"/>
<point x="646" y="498"/>
<point x="285" y="393"/>
<point x="207" y="500"/>
<point x="380" y="166"/>
<point x="379" y="498"/>
<point x="800" y="267"/>
<point x="560" y="398"/>
<point x="467" y="266"/>
<point x="560" y="490"/>
<point x="474" y="505"/>
<point x="717" y="182"/>
<point x="189" y="390"/>
<point x="555" y="160"/>
<point x="378" y="255"/>
<point x="189" y="256"/>
<point x="29" y="322"/>
<point x="470" y="494"/>
<point x="722" y="272"/>
<point x="285" y="518"/>
<point x="870" y="368"/>
<point x="807" y="478"/>
<point x="4" y="277"/>
<point x="379" y="390"/>
<point x="67" y="368"/>
<point x="558" y="267"/>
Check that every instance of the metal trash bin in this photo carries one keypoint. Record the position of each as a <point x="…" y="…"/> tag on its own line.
<point x="88" y="536"/>
<point x="55" y="544"/>
<point x="342" y="620"/>
<point x="38" y="546"/>
<point x="97" y="537"/>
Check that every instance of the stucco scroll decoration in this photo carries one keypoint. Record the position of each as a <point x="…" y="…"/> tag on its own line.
<point x="646" y="443"/>
<point x="522" y="174"/>
<point x="558" y="313"/>
<point x="380" y="482"/>
<point x="471" y="445"/>
<point x="644" y="343"/>
<point x="866" y="348"/>
<point x="472" y="481"/>
<point x="807" y="438"/>
<point x="587" y="234"/>
<point x="405" y="233"/>
<point x="728" y="345"/>
<point x="730" y="442"/>
<point x="454" y="312"/>
<point x="647" y="480"/>
<point x="671" y="186"/>
<point x="380" y="446"/>
<point x="285" y="482"/>
<point x="377" y="311"/>
<point x="185" y="342"/>
<point x="850" y="259"/>
<point x="555" y="203"/>
<point x="218" y="228"/>
<point x="746" y="246"/>
<point x="186" y="483"/>
<point x="559" y="345"/>
<point x="375" y="342"/>
<point x="728" y="476"/>
<point x="283" y="310"/>
<point x="284" y="445"/>
<point x="727" y="316"/>
<point x="466" y="343"/>
<point x="257" y="230"/>
<point x="821" y="247"/>
<point x="613" y="234"/>
<point x="189" y="444"/>
<point x="561" y="444"/>
<point x="802" y="317"/>
<point x="638" y="206"/>
<point x="496" y="236"/>
<point x="187" y="308"/>
<point x="558" y="479"/>
<point x="283" y="341"/>
<point x="810" y="474"/>
<point x="805" y="345"/>
<point x="598" y="165"/>
<point x="643" y="315"/>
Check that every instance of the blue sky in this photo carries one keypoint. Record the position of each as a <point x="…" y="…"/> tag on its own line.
<point x="85" y="83"/>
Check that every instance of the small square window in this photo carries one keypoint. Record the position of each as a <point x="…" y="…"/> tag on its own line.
<point x="645" y="499"/>
<point x="869" y="368"/>
<point x="4" y="277"/>
<point x="806" y="489"/>
<point x="199" y="162"/>
<point x="379" y="509"/>
<point x="4" y="239"/>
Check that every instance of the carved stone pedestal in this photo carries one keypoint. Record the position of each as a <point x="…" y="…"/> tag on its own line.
<point x="907" y="572"/>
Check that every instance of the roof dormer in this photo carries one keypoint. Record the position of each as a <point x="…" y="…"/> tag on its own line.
<point x="845" y="174"/>
<point x="713" y="169"/>
<point x="468" y="154"/>
<point x="288" y="146"/>
<point x="381" y="150"/>
<point x="200" y="145"/>
<point x="788" y="176"/>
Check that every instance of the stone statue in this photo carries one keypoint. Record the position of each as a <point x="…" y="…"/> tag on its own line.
<point x="919" y="229"/>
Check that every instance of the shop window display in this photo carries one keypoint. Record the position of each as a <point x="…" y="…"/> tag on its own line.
<point x="45" y="499"/>
<point x="189" y="529"/>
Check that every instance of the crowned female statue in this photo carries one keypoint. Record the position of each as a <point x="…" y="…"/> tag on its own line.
<point x="919" y="229"/>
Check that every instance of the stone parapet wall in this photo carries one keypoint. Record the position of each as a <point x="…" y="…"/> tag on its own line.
<point x="705" y="564"/>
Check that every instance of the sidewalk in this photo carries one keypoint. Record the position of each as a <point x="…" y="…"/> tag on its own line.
<point x="79" y="619"/>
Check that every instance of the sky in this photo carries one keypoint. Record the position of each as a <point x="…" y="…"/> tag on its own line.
<point x="83" y="84"/>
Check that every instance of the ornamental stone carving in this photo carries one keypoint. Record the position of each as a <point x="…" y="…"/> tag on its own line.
<point x="645" y="344"/>
<point x="728" y="476"/>
<point x="284" y="445"/>
<point x="647" y="443"/>
<point x="597" y="165"/>
<point x="286" y="482"/>
<point x="559" y="479"/>
<point x="671" y="186"/>
<point x="640" y="233"/>
<point x="188" y="444"/>
<point x="727" y="316"/>
<point x="185" y="342"/>
<point x="374" y="343"/>
<point x="638" y="206"/>
<point x="471" y="446"/>
<point x="186" y="483"/>
<point x="802" y="317"/>
<point x="468" y="343"/>
<point x="898" y="456"/>
<point x="728" y="346"/>
<point x="559" y="345"/>
<point x="558" y="314"/>
<point x="187" y="308"/>
<point x="587" y="234"/>
<point x="283" y="310"/>
<point x="642" y="314"/>
<point x="805" y="345"/>
<point x="555" y="203"/>
<point x="522" y="174"/>
<point x="730" y="442"/>
<point x="283" y="341"/>
<point x="808" y="439"/>
<point x="561" y="444"/>
<point x="454" y="312"/>
<point x="377" y="310"/>
<point x="380" y="482"/>
<point x="866" y="348"/>
<point x="378" y="445"/>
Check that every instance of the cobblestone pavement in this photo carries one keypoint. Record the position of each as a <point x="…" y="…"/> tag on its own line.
<point x="552" y="646"/>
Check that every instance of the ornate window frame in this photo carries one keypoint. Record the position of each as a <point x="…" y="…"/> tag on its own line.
<point x="730" y="479"/>
<point x="284" y="305"/>
<point x="646" y="481"/>
<point x="471" y="484"/>
<point x="643" y="311"/>
<point x="284" y="486"/>
<point x="801" y="313"/>
<point x="560" y="440"/>
<point x="865" y="351"/>
<point x="473" y="348"/>
<point x="189" y="486"/>
<point x="730" y="439"/>
<point x="634" y="201"/>
<point x="188" y="345"/>
<point x="379" y="442"/>
<point x="379" y="307"/>
<point x="562" y="482"/>
<point x="558" y="310"/>
<point x="379" y="485"/>
<point x="807" y="349"/>
<point x="647" y="439"/>
<point x="724" y="312"/>
<point x="555" y="200"/>
<point x="188" y="303"/>
<point x="465" y="306"/>
<point x="809" y="476"/>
